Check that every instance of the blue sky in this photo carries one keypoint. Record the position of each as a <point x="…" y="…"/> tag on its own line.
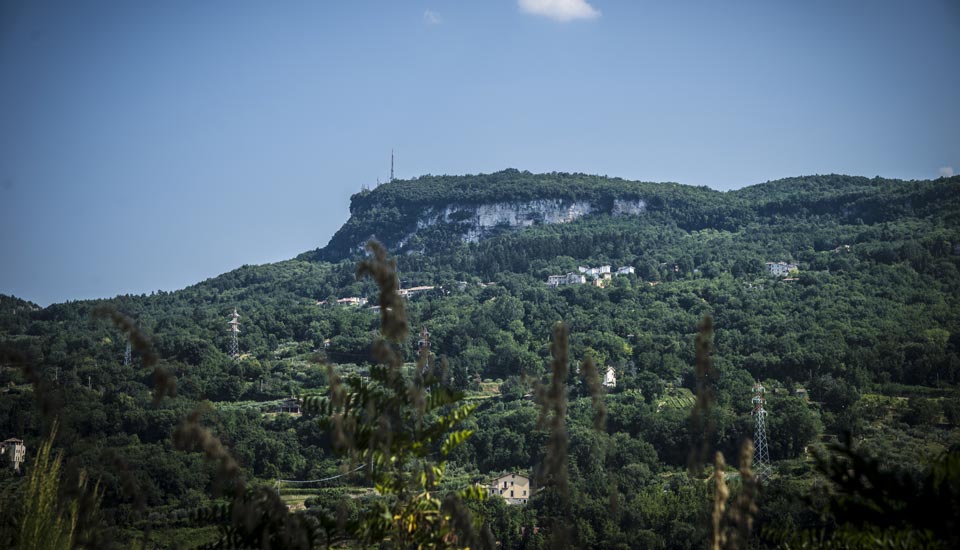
<point x="151" y="145"/>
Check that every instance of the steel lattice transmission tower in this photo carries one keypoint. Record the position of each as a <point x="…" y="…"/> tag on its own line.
<point x="234" y="323"/>
<point x="424" y="343"/>
<point x="761" y="456"/>
<point x="128" y="351"/>
<point x="423" y="350"/>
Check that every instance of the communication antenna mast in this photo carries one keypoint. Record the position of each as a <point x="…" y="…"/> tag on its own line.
<point x="391" y="164"/>
<point x="761" y="456"/>
<point x="234" y="323"/>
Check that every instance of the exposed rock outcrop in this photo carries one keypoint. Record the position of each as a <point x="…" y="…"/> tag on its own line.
<point x="479" y="219"/>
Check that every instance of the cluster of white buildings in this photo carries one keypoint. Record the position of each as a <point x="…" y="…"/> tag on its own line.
<point x="598" y="276"/>
<point x="568" y="279"/>
<point x="781" y="269"/>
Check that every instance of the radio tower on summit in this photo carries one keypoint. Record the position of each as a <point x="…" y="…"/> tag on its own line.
<point x="761" y="456"/>
<point x="234" y="323"/>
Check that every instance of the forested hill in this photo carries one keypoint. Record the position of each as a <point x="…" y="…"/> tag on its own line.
<point x="430" y="213"/>
<point x="860" y="335"/>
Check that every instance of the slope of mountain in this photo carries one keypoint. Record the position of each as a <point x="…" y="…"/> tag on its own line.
<point x="869" y="320"/>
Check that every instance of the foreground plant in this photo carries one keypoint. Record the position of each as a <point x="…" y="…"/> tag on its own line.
<point x="49" y="522"/>
<point x="401" y="429"/>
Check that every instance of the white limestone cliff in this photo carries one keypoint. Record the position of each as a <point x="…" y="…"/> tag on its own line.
<point x="479" y="219"/>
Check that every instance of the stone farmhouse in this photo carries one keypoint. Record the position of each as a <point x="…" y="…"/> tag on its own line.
<point x="513" y="487"/>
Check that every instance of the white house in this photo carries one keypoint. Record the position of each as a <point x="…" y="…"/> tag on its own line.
<point x="408" y="292"/>
<point x="513" y="487"/>
<point x="610" y="378"/>
<point x="18" y="451"/>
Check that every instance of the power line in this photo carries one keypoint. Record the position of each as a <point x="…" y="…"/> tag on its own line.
<point x="281" y="481"/>
<point x="357" y="469"/>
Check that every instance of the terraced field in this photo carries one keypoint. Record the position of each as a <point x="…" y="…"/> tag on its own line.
<point x="296" y="497"/>
<point x="676" y="398"/>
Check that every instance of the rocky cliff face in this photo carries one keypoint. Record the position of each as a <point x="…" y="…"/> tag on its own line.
<point x="433" y="213"/>
<point x="479" y="219"/>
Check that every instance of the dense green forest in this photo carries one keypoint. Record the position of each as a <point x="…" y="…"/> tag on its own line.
<point x="861" y="344"/>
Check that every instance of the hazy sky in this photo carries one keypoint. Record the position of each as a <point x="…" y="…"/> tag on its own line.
<point x="151" y="145"/>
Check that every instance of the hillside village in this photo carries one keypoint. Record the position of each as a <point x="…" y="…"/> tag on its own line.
<point x="597" y="276"/>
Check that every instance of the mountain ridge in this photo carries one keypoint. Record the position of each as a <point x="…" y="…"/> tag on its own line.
<point x="429" y="213"/>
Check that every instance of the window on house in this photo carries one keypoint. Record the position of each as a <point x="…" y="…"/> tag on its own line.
<point x="511" y="493"/>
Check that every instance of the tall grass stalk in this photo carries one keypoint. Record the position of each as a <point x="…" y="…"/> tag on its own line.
<point x="46" y="523"/>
